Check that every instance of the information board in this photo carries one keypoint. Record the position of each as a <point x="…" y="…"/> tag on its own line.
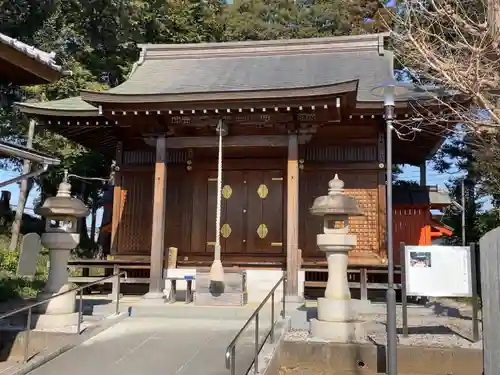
<point x="438" y="271"/>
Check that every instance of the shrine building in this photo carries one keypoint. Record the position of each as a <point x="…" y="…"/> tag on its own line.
<point x="296" y="111"/>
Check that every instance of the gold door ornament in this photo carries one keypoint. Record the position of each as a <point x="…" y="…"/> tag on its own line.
<point x="262" y="191"/>
<point x="225" y="230"/>
<point x="227" y="191"/>
<point x="262" y="231"/>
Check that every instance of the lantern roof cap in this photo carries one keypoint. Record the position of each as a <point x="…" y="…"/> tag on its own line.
<point x="63" y="204"/>
<point x="336" y="202"/>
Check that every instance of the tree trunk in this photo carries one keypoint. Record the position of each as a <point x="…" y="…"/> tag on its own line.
<point x="94" y="222"/>
<point x="24" y="190"/>
<point x="494" y="17"/>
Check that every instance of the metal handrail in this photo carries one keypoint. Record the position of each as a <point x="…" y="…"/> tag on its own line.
<point x="231" y="349"/>
<point x="80" y="306"/>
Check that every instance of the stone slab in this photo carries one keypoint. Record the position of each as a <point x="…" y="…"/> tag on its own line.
<point x="191" y="311"/>
<point x="314" y="358"/>
<point x="28" y="256"/>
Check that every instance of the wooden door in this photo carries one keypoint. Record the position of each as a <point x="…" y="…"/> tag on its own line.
<point x="251" y="212"/>
<point x="264" y="231"/>
<point x="232" y="215"/>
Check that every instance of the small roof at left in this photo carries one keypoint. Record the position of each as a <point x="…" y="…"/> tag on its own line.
<point x="22" y="64"/>
<point x="10" y="149"/>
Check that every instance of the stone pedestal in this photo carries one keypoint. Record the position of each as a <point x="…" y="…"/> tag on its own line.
<point x="338" y="320"/>
<point x="346" y="332"/>
<point x="59" y="311"/>
<point x="153" y="298"/>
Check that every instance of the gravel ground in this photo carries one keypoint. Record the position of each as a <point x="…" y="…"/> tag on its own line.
<point x="427" y="326"/>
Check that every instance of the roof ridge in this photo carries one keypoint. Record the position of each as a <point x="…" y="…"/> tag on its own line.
<point x="364" y="42"/>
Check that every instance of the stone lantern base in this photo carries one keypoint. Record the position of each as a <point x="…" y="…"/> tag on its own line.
<point x="59" y="312"/>
<point x="344" y="332"/>
<point x="338" y="320"/>
<point x="55" y="322"/>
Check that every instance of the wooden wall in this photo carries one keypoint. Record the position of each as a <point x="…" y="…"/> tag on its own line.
<point x="253" y="205"/>
<point x="362" y="185"/>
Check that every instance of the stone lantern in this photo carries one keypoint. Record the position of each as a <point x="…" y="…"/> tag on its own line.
<point x="337" y="312"/>
<point x="61" y="236"/>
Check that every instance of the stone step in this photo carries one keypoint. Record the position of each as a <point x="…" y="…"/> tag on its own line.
<point x="190" y="311"/>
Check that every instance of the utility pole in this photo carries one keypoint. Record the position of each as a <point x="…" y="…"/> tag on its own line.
<point x="463" y="212"/>
<point x="23" y="192"/>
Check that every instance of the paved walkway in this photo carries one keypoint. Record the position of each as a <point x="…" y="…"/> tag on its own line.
<point x="157" y="345"/>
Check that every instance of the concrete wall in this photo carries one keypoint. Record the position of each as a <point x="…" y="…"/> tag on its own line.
<point x="313" y="358"/>
<point x="260" y="283"/>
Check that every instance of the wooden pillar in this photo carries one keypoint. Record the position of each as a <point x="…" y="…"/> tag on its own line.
<point x="117" y="195"/>
<point x="423" y="174"/>
<point x="292" y="218"/>
<point x="158" y="225"/>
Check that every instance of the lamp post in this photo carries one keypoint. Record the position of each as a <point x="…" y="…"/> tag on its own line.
<point x="389" y="91"/>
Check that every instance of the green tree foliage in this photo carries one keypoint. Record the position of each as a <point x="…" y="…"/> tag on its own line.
<point x="97" y="41"/>
<point x="459" y="156"/>
<point x="284" y="19"/>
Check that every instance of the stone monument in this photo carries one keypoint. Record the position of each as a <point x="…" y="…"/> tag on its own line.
<point x="61" y="213"/>
<point x="337" y="312"/>
<point x="28" y="256"/>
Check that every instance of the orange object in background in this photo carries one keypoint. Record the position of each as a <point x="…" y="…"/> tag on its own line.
<point x="413" y="222"/>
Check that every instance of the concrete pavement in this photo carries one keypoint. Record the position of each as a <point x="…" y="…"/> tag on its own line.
<point x="158" y="345"/>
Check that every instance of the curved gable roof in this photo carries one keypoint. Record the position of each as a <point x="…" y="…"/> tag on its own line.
<point x="184" y="72"/>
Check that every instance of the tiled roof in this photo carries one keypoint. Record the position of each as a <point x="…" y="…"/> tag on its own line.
<point x="256" y="66"/>
<point x="11" y="149"/>
<point x="41" y="56"/>
<point x="418" y="196"/>
<point x="74" y="106"/>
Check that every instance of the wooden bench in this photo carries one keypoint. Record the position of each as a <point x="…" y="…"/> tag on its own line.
<point x="172" y="296"/>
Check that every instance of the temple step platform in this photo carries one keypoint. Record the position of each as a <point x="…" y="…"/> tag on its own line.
<point x="191" y="311"/>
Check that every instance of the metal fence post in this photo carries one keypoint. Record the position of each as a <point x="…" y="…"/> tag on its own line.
<point x="80" y="312"/>
<point x="27" y="337"/>
<point x="283" y="312"/>
<point x="404" y="297"/>
<point x="272" y="318"/>
<point x="256" y="359"/>
<point x="117" y="294"/>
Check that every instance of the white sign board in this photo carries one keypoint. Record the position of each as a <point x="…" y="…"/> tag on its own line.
<point x="438" y="271"/>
